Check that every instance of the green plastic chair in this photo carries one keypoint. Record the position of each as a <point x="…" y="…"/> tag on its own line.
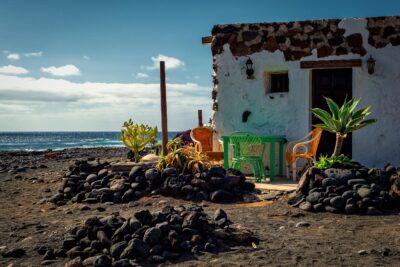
<point x="245" y="147"/>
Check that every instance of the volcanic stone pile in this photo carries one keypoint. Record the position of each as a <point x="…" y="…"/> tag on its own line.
<point x="149" y="238"/>
<point x="349" y="190"/>
<point x="92" y="183"/>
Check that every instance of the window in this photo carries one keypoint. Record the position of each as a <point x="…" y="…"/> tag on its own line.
<point x="277" y="82"/>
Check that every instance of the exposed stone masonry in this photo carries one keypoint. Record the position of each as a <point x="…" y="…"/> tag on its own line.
<point x="383" y="31"/>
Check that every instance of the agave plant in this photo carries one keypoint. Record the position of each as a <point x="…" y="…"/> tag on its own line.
<point x="196" y="162"/>
<point x="137" y="136"/>
<point x="342" y="120"/>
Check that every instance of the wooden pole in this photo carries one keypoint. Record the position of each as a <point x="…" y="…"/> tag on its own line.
<point x="200" y="117"/>
<point x="164" y="122"/>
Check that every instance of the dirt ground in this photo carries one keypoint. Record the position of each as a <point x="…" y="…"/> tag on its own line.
<point x="329" y="240"/>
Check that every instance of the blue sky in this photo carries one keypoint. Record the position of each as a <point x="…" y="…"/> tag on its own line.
<point x="89" y="65"/>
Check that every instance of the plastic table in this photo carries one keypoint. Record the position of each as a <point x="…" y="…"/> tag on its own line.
<point x="266" y="139"/>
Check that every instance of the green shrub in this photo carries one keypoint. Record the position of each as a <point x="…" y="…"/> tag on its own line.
<point x="326" y="162"/>
<point x="137" y="136"/>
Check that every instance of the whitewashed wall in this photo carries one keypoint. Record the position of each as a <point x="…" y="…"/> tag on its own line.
<point x="289" y="113"/>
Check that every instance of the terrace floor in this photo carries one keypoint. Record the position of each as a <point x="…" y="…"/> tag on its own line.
<point x="279" y="184"/>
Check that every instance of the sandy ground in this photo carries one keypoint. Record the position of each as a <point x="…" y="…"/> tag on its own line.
<point x="329" y="240"/>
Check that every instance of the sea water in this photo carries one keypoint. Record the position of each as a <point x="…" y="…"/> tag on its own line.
<point x="38" y="141"/>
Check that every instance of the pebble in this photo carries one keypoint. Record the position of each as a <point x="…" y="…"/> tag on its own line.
<point x="84" y="208"/>
<point x="362" y="252"/>
<point x="302" y="224"/>
<point x="307" y="206"/>
<point x="14" y="253"/>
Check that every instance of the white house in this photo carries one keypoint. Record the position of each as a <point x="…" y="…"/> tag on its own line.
<point x="295" y="64"/>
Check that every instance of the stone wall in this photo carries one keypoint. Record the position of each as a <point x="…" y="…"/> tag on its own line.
<point x="297" y="39"/>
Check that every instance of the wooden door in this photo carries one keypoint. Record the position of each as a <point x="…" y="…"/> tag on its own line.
<point x="335" y="84"/>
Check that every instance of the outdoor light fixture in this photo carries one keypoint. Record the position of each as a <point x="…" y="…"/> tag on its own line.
<point x="249" y="69"/>
<point x="371" y="65"/>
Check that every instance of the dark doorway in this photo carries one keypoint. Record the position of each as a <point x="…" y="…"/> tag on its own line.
<point x="335" y="84"/>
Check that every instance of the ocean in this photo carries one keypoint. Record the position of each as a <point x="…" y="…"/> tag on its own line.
<point x="39" y="141"/>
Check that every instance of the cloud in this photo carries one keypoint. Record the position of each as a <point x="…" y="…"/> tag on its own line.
<point x="13" y="56"/>
<point x="194" y="77"/>
<point x="5" y="51"/>
<point x="34" y="54"/>
<point x="141" y="75"/>
<point x="14" y="70"/>
<point x="66" y="70"/>
<point x="86" y="57"/>
<point x="59" y="104"/>
<point x="170" y="62"/>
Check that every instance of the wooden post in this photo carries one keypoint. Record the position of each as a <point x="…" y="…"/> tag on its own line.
<point x="164" y="122"/>
<point x="200" y="117"/>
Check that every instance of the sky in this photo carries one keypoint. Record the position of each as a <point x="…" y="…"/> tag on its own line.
<point x="73" y="65"/>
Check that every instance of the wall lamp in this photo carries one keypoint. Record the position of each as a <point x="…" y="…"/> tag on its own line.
<point x="371" y="65"/>
<point x="249" y="69"/>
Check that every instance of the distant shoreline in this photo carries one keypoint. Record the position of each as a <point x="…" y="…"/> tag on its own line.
<point x="71" y="149"/>
<point x="56" y="141"/>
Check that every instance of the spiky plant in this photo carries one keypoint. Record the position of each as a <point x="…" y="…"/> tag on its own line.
<point x="342" y="120"/>
<point x="196" y="162"/>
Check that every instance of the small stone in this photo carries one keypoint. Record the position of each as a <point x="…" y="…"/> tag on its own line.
<point x="331" y="209"/>
<point x="117" y="248"/>
<point x="220" y="214"/>
<point x="14" y="253"/>
<point x="83" y="208"/>
<point x="102" y="173"/>
<point x="385" y="252"/>
<point x="307" y="206"/>
<point x="117" y="185"/>
<point x="302" y="224"/>
<point x="144" y="216"/>
<point x="362" y="252"/>
<point x="101" y="209"/>
<point x="352" y="182"/>
<point x="329" y="182"/>
<point x="348" y="194"/>
<point x="152" y="235"/>
<point x="364" y="192"/>
<point x="69" y="243"/>
<point x="103" y="261"/>
<point x="313" y="197"/>
<point x="338" y="202"/>
<point x="135" y="172"/>
<point x="91" y="178"/>
<point x="221" y="196"/>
